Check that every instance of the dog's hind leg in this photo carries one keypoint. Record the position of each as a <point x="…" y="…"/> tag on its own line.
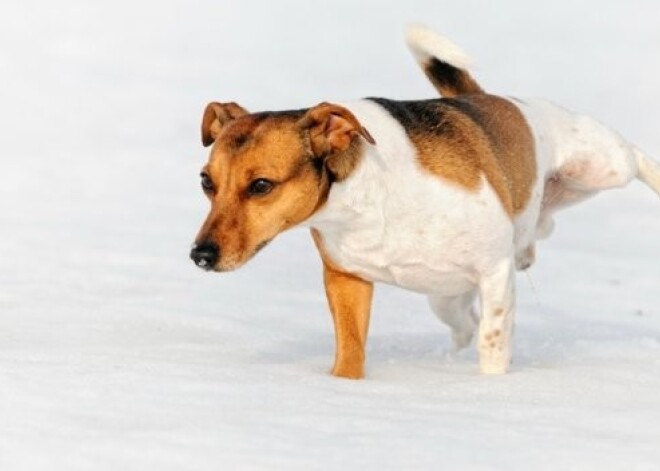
<point x="594" y="158"/>
<point x="459" y="314"/>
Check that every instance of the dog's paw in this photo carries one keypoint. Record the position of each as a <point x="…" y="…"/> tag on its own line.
<point x="349" y="371"/>
<point x="526" y="258"/>
<point x="461" y="340"/>
<point x="494" y="362"/>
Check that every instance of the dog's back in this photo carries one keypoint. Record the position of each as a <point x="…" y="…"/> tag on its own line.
<point x="575" y="155"/>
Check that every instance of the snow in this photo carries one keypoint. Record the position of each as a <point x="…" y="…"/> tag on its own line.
<point x="117" y="353"/>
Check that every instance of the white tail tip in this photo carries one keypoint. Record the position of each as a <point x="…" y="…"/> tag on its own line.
<point x="425" y="43"/>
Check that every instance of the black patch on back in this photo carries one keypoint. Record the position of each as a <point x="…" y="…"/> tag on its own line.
<point x="431" y="116"/>
<point x="413" y="114"/>
<point x="419" y="115"/>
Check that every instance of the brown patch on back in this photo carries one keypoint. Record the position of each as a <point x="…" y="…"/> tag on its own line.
<point x="459" y="139"/>
<point x="453" y="150"/>
<point x="513" y="173"/>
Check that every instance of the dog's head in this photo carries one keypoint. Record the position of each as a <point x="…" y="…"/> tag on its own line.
<point x="268" y="172"/>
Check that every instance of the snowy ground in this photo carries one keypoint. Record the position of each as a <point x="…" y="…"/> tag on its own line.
<point x="116" y="353"/>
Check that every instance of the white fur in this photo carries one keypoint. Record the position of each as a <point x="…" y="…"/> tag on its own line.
<point x="584" y="155"/>
<point x="649" y="170"/>
<point x="395" y="223"/>
<point x="391" y="221"/>
<point x="425" y="43"/>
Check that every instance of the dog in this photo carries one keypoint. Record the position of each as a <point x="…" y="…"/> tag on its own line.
<point x="446" y="197"/>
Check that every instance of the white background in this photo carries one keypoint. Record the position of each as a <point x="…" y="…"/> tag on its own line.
<point x="117" y="353"/>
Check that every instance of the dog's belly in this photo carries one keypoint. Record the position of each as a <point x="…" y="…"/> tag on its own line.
<point x="416" y="274"/>
<point x="430" y="238"/>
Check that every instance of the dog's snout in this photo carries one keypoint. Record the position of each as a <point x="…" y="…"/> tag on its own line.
<point x="205" y="255"/>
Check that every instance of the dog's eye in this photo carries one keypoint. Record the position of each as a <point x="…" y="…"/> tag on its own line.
<point x="260" y="186"/>
<point x="207" y="183"/>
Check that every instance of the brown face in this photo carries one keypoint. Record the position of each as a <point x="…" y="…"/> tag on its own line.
<point x="266" y="173"/>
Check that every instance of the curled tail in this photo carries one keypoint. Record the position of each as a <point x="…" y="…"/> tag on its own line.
<point x="443" y="62"/>
<point x="649" y="170"/>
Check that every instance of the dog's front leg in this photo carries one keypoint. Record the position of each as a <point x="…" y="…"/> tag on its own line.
<point x="350" y="302"/>
<point x="349" y="298"/>
<point x="497" y="289"/>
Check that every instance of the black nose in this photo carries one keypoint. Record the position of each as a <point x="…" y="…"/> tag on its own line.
<point x="205" y="255"/>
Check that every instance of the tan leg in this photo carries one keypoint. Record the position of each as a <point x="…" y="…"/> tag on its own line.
<point x="349" y="298"/>
<point x="350" y="302"/>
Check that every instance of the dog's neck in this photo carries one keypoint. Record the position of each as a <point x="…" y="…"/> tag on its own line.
<point x="349" y="203"/>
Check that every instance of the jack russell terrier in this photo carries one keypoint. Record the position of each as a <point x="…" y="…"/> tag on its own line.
<point x="445" y="197"/>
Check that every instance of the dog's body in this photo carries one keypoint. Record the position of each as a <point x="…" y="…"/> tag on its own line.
<point x="448" y="200"/>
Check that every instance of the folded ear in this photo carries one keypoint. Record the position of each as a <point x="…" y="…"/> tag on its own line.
<point x="332" y="128"/>
<point x="216" y="115"/>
